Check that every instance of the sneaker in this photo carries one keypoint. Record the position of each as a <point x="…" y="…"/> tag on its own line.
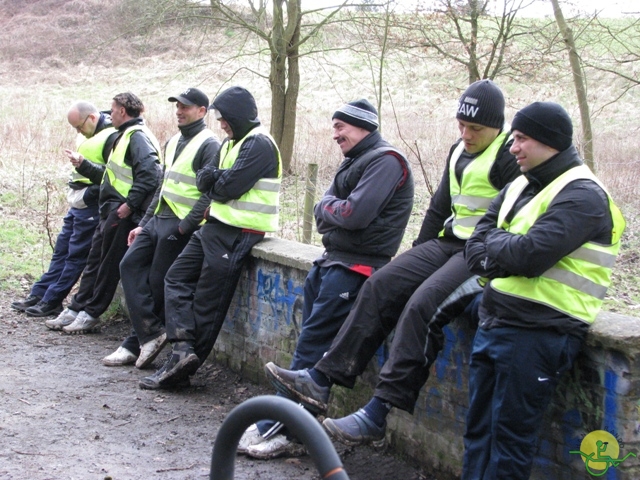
<point x="120" y="357"/>
<point x="249" y="438"/>
<point x="83" y="323"/>
<point x="65" y="318"/>
<point x="356" y="429"/>
<point x="150" y="350"/>
<point x="44" y="309"/>
<point x="276" y="446"/>
<point x="22" y="305"/>
<point x="298" y="385"/>
<point x="180" y="364"/>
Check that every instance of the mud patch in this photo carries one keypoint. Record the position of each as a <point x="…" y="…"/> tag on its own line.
<point x="66" y="416"/>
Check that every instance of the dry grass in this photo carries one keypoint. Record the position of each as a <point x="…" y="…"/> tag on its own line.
<point x="71" y="59"/>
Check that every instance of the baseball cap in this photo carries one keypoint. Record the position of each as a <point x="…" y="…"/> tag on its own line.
<point x="192" y="96"/>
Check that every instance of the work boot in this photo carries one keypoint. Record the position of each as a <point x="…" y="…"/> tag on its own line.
<point x="22" y="305"/>
<point x="356" y="429"/>
<point x="160" y="380"/>
<point x="298" y="385"/>
<point x="67" y="317"/>
<point x="84" y="323"/>
<point x="44" y="309"/>
<point x="150" y="350"/>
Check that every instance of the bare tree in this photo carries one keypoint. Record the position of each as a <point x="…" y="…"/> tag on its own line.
<point x="579" y="81"/>
<point x="284" y="33"/>
<point x="469" y="33"/>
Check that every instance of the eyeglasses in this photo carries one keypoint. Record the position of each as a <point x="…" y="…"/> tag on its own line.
<point x="79" y="129"/>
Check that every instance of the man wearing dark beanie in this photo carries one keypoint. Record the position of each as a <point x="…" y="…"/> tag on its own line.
<point x="362" y="218"/>
<point x="546" y="246"/>
<point x="407" y="292"/>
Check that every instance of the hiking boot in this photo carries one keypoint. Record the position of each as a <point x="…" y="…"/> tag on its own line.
<point x="152" y="382"/>
<point x="174" y="373"/>
<point x="274" y="447"/>
<point x="150" y="350"/>
<point x="22" y="305"/>
<point x="120" y="357"/>
<point x="356" y="429"/>
<point x="298" y="385"/>
<point x="249" y="438"/>
<point x="84" y="323"/>
<point x="65" y="318"/>
<point x="44" y="309"/>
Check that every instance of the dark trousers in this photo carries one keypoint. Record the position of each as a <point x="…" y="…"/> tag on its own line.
<point x="201" y="282"/>
<point x="405" y="295"/>
<point x="513" y="374"/>
<point x="69" y="255"/>
<point x="143" y="270"/>
<point x="101" y="275"/>
<point x="329" y="294"/>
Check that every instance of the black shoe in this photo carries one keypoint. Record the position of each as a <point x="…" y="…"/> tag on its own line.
<point x="44" y="309"/>
<point x="174" y="374"/>
<point x="22" y="305"/>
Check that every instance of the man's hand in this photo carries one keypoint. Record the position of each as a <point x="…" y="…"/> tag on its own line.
<point x="132" y="235"/>
<point x="74" y="157"/>
<point x="124" y="211"/>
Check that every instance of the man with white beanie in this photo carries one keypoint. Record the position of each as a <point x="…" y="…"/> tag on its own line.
<point x="407" y="292"/>
<point x="362" y="218"/>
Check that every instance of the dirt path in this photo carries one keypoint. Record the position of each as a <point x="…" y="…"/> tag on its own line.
<point x="66" y="416"/>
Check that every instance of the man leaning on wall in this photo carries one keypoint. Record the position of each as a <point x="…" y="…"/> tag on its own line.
<point x="129" y="181"/>
<point x="546" y="245"/>
<point x="362" y="218"/>
<point x="74" y="241"/>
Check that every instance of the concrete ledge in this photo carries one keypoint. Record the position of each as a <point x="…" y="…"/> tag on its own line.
<point x="602" y="392"/>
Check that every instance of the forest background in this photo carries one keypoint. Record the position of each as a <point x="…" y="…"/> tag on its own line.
<point x="302" y="61"/>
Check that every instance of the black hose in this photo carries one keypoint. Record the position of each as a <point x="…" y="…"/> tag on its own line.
<point x="300" y="423"/>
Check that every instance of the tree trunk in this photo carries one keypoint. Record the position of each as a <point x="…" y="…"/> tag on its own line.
<point x="580" y="84"/>
<point x="284" y="78"/>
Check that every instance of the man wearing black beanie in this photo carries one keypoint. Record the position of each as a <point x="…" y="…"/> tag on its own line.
<point x="407" y="292"/>
<point x="546" y="246"/>
<point x="362" y="218"/>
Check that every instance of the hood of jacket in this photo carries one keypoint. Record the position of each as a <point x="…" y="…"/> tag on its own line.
<point x="238" y="107"/>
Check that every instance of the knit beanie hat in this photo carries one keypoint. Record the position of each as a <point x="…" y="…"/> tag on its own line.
<point x="359" y="113"/>
<point x="546" y="122"/>
<point x="483" y="103"/>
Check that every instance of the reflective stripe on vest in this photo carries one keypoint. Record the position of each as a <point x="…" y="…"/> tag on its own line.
<point x="119" y="173"/>
<point x="577" y="284"/>
<point x="179" y="185"/>
<point x="257" y="209"/>
<point x="91" y="149"/>
<point x="470" y="201"/>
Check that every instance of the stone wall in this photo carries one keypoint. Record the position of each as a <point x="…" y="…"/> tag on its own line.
<point x="598" y="399"/>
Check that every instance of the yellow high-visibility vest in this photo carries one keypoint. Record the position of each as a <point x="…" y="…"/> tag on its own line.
<point x="258" y="208"/>
<point x="577" y="284"/>
<point x="179" y="189"/>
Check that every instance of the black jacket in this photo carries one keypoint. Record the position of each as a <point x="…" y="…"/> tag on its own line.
<point x="206" y="153"/>
<point x="365" y="211"/>
<point x="504" y="170"/>
<point x="257" y="158"/>
<point x="142" y="157"/>
<point x="578" y="214"/>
